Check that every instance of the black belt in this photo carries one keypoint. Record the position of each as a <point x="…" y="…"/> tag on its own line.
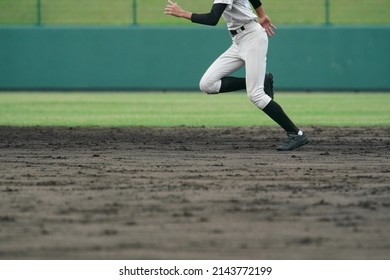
<point x="235" y="32"/>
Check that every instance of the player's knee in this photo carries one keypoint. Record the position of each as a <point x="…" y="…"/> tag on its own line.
<point x="208" y="86"/>
<point x="259" y="98"/>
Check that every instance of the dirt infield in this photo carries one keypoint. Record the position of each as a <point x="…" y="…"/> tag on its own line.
<point x="193" y="193"/>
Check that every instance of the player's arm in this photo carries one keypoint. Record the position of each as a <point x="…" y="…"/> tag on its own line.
<point x="255" y="3"/>
<point x="210" y="18"/>
<point x="264" y="20"/>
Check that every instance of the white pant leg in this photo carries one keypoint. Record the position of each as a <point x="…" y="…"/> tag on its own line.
<point x="224" y="65"/>
<point x="253" y="46"/>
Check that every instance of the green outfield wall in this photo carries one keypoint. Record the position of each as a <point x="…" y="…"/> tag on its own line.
<point x="174" y="58"/>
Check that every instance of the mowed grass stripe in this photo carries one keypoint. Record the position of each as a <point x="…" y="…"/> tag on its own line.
<point x="120" y="12"/>
<point x="188" y="109"/>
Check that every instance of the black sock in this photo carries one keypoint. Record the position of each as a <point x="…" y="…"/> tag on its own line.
<point x="275" y="112"/>
<point x="232" y="84"/>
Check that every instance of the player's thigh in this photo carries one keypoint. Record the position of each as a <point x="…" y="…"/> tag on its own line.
<point x="223" y="66"/>
<point x="254" y="52"/>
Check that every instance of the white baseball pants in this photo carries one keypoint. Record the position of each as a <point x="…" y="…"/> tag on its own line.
<point x="249" y="48"/>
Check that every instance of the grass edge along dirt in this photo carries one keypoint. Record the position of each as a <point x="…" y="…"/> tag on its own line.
<point x="113" y="109"/>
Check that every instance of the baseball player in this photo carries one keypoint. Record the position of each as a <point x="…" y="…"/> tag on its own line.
<point x="249" y="48"/>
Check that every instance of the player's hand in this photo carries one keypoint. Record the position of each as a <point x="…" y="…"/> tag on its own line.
<point x="265" y="22"/>
<point x="173" y="9"/>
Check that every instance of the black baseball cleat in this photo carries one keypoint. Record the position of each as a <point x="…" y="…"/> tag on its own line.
<point x="293" y="142"/>
<point x="269" y="85"/>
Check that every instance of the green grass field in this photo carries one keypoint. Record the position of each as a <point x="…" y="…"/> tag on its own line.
<point x="120" y="12"/>
<point x="188" y="109"/>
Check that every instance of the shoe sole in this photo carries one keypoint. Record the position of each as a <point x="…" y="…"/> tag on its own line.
<point x="300" y="144"/>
